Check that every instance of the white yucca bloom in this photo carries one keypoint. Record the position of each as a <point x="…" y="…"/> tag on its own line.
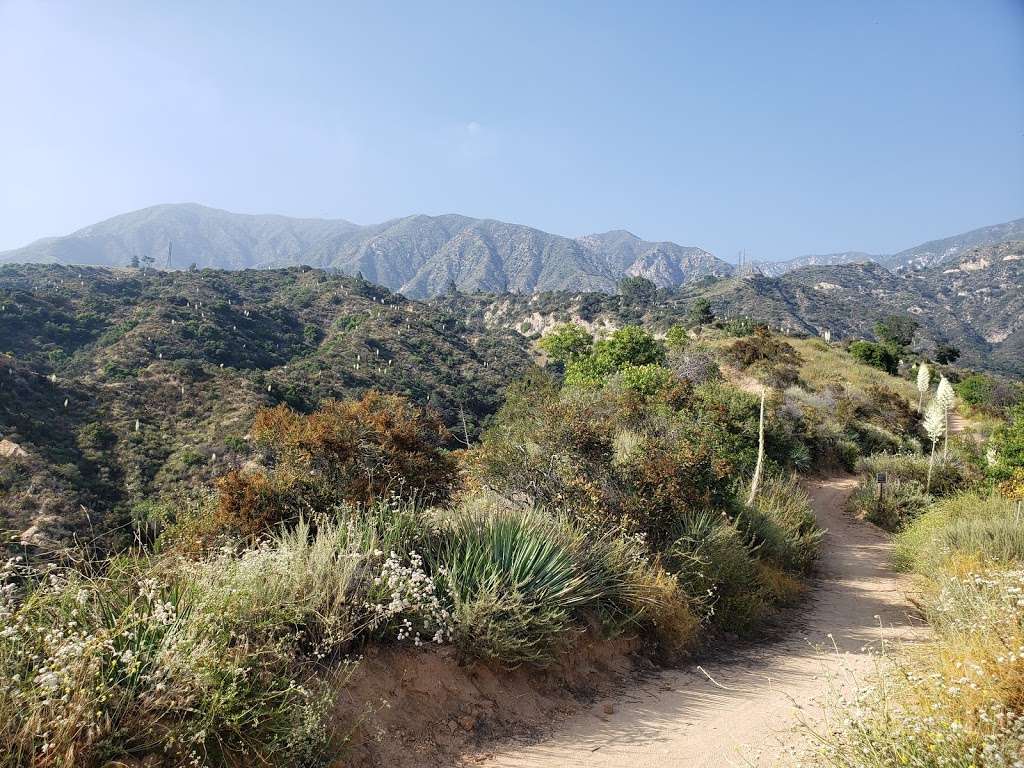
<point x="946" y="399"/>
<point x="944" y="395"/>
<point x="934" y="424"/>
<point x="924" y="380"/>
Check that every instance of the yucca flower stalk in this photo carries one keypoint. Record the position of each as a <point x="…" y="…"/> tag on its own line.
<point x="756" y="482"/>
<point x="924" y="380"/>
<point x="935" y="427"/>
<point x="946" y="399"/>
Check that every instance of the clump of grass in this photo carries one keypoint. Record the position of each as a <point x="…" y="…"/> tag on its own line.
<point x="948" y="476"/>
<point x="980" y="529"/>
<point x="95" y="668"/>
<point x="890" y="505"/>
<point x="780" y="525"/>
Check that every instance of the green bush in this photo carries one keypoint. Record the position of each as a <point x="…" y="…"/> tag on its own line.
<point x="890" y="506"/>
<point x="781" y="525"/>
<point x="981" y="527"/>
<point x="717" y="570"/>
<point x="876" y="355"/>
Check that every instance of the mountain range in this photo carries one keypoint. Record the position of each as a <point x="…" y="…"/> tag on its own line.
<point x="422" y="256"/>
<point x="929" y="254"/>
<point x="419" y="256"/>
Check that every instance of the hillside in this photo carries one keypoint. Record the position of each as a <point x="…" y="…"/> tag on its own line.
<point x="118" y="384"/>
<point x="929" y="254"/>
<point x="975" y="303"/>
<point x="416" y="255"/>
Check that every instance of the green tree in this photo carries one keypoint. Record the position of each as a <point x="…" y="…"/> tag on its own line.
<point x="637" y="290"/>
<point x="677" y="338"/>
<point x="701" y="313"/>
<point x="646" y="379"/>
<point x="946" y="354"/>
<point x="630" y="345"/>
<point x="567" y="342"/>
<point x="876" y="355"/>
<point x="897" y="331"/>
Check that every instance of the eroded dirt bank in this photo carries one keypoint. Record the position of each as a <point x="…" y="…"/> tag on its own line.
<point x="608" y="706"/>
<point x="747" y="715"/>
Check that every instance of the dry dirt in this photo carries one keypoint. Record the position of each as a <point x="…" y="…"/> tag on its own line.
<point x="744" y="710"/>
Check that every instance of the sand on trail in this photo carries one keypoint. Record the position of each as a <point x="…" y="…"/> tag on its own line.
<point x="748" y="715"/>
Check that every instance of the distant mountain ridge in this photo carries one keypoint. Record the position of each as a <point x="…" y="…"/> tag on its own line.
<point x="423" y="256"/>
<point x="417" y="255"/>
<point x="929" y="254"/>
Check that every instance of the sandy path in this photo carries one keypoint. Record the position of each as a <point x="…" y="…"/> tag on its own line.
<point x="681" y="719"/>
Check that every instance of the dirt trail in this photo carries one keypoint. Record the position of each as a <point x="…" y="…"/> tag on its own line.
<point x="682" y="719"/>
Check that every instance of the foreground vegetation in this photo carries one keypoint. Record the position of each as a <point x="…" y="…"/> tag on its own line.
<point x="955" y="700"/>
<point x="612" y="493"/>
<point x="615" y="505"/>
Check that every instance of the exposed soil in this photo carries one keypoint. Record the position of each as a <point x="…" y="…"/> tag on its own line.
<point x="606" y="705"/>
<point x="744" y="709"/>
<point x="413" y="709"/>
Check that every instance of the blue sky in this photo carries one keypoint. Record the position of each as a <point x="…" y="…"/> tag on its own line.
<point x="783" y="128"/>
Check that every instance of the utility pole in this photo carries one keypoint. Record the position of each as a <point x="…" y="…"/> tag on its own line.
<point x="170" y="248"/>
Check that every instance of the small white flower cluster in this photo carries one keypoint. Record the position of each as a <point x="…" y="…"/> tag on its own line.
<point x="406" y="597"/>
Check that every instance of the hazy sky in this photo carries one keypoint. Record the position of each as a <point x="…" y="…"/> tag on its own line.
<point x="783" y="128"/>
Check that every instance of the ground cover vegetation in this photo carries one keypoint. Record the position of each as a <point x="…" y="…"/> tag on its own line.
<point x="595" y="507"/>
<point x="604" y="493"/>
<point x="955" y="699"/>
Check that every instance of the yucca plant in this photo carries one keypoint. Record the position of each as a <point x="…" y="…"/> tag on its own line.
<point x="924" y="380"/>
<point x="946" y="399"/>
<point x="935" y="427"/>
<point x="518" y="582"/>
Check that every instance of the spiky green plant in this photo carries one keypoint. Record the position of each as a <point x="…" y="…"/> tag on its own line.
<point x="519" y="582"/>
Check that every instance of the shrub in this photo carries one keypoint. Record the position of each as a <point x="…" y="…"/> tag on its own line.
<point x="378" y="446"/>
<point x="891" y="505"/>
<point x="897" y="331"/>
<point x="876" y="355"/>
<point x="696" y="366"/>
<point x="781" y="525"/>
<point x="700" y="312"/>
<point x="888" y="409"/>
<point x="762" y="347"/>
<point x="677" y="338"/>
<point x="1008" y="445"/>
<point x="988" y="393"/>
<point x="567" y="342"/>
<point x="740" y="326"/>
<point x="717" y="571"/>
<point x="521" y="584"/>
